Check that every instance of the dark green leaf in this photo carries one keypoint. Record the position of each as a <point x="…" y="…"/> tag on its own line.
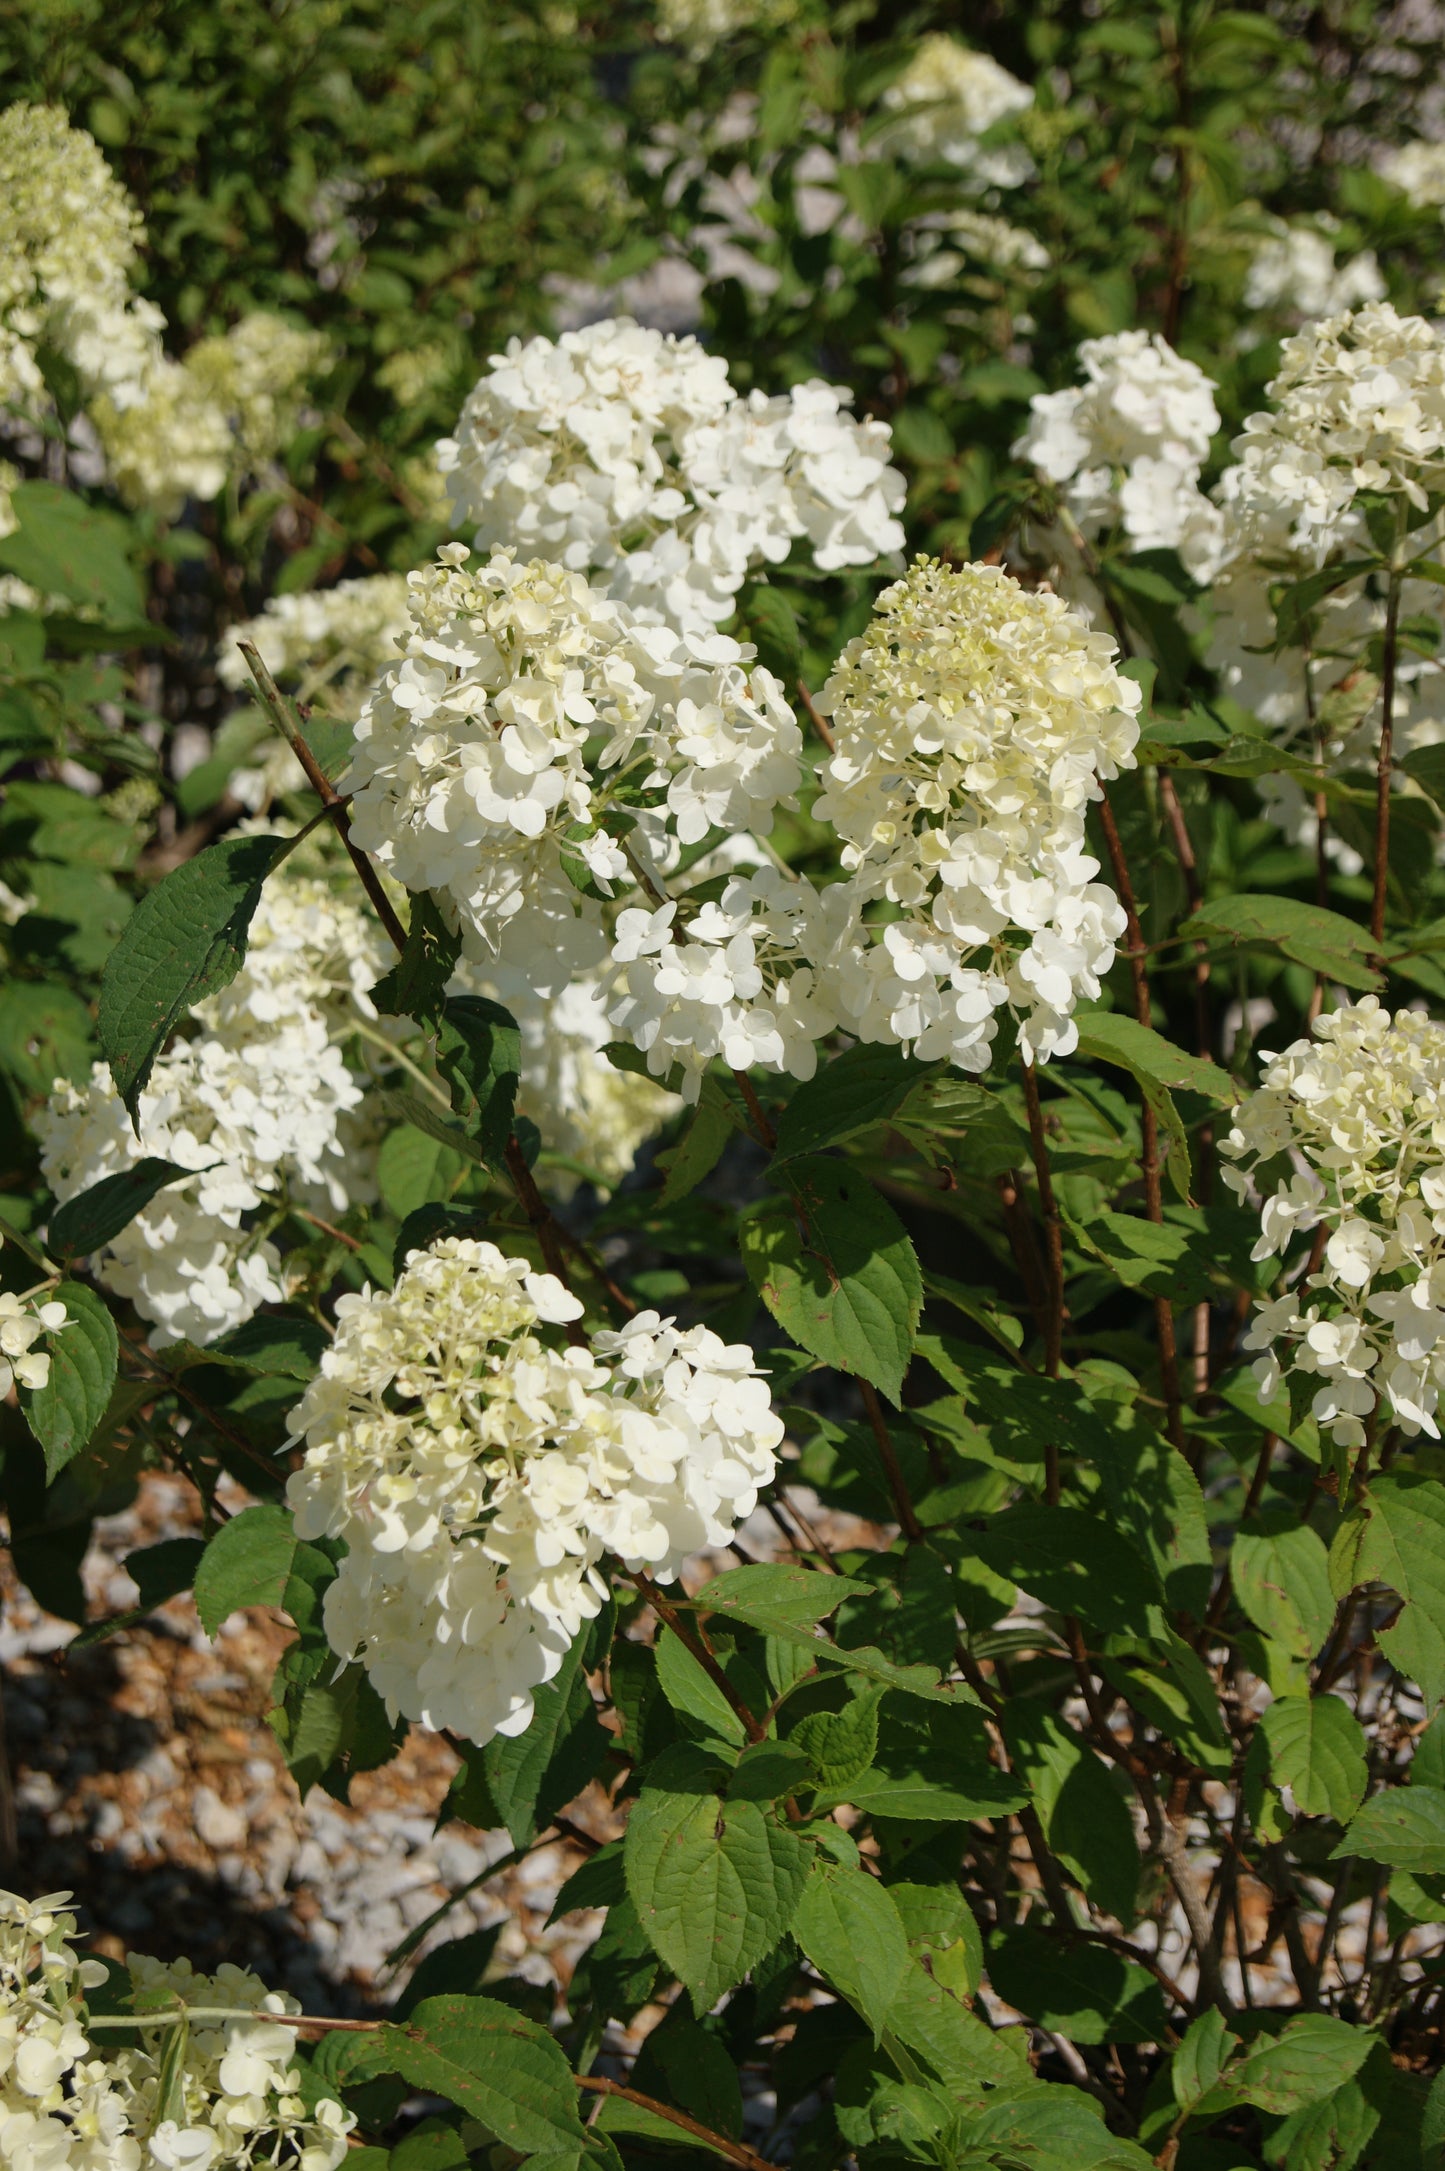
<point x="1080" y="1990"/>
<point x="62" y="546"/>
<point x="863" y="1086"/>
<point x="838" y="1272"/>
<point x="1324" y="941"/>
<point x="479" y="1053"/>
<point x="186" y="940"/>
<point x="90" y="1219"/>
<point x="1317" y="1748"/>
<point x="416" y="985"/>
<point x="849" y="1928"/>
<point x="66" y="1410"/>
<point x="1403" y="1827"/>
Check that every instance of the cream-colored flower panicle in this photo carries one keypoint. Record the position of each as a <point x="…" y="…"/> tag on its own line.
<point x="945" y="100"/>
<point x="479" y="1469"/>
<point x="524" y="703"/>
<point x="1347" y="1133"/>
<point x="973" y="722"/>
<point x="76" y="2098"/>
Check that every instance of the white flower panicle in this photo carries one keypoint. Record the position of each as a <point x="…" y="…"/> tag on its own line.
<point x="1359" y="404"/>
<point x="75" y="2099"/>
<point x="1418" y="171"/>
<point x="1294" y="268"/>
<point x="254" y="1104"/>
<point x="945" y="100"/>
<point x="1129" y="443"/>
<point x="329" y="641"/>
<point x="625" y="453"/>
<point x="525" y="701"/>
<point x="973" y="723"/>
<point x="479" y="1474"/>
<point x="22" y="1322"/>
<point x="69" y="239"/>
<point x="1350" y="1128"/>
<point x="702" y="24"/>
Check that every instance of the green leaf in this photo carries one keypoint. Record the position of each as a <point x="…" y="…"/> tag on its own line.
<point x="715" y="1883"/>
<point x="1401" y="1826"/>
<point x="1073" y="1562"/>
<point x="1082" y="1991"/>
<point x="423" y="1114"/>
<point x="702" y="1146"/>
<point x="846" y="1283"/>
<point x="162" y="1571"/>
<point x="1306" y="2062"/>
<point x="66" y="1410"/>
<point x="1324" y="941"/>
<point x="503" y="2070"/>
<point x="1085" y="1819"/>
<point x="273" y="1345"/>
<point x="90" y="1219"/>
<point x="45" y="1034"/>
<point x="1156" y="1257"/>
<point x="247" y="1563"/>
<point x="775" y="1598"/>
<point x="1317" y="1748"/>
<point x="1158" y="1067"/>
<point x="1282" y="1582"/>
<point x="532" y="1774"/>
<point x="413" y="1169"/>
<point x="479" y="1055"/>
<point x="416" y="985"/>
<point x="1174" y="1689"/>
<point x="1397" y="1536"/>
<point x="933" y="1767"/>
<point x="185" y="940"/>
<point x="863" y="1086"/>
<point x="689" y="1688"/>
<point x="62" y="546"/>
<point x="772" y="624"/>
<point x="1196" y="2066"/>
<point x="689" y="2067"/>
<point x="840" y="1745"/>
<point x="942" y="1934"/>
<point x="1301" y="597"/>
<point x="850" y="1929"/>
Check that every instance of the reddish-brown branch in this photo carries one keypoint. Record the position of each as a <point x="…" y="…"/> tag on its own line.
<point x="731" y="2151"/>
<point x="696" y="1644"/>
<point x="1054" y="1238"/>
<point x="892" y="1469"/>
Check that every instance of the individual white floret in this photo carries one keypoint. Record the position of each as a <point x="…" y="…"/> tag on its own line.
<point x="22" y="1323"/>
<point x="973" y="723"/>
<point x="1349" y="1128"/>
<point x="479" y="1473"/>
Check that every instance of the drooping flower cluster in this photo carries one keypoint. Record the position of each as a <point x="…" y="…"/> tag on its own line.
<point x="1349" y="1127"/>
<point x="973" y="722"/>
<point x="74" y="2098"/>
<point x="256" y="1104"/>
<point x="1294" y="269"/>
<point x="479" y="1473"/>
<point x="69" y="238"/>
<point x="1129" y="443"/>
<point x="22" y="1323"/>
<point x="946" y="99"/>
<point x="526" y="705"/>
<point x="625" y="453"/>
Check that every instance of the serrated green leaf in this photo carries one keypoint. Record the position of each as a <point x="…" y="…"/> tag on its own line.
<point x="715" y="1883"/>
<point x="247" y="1563"/>
<point x="64" y="1413"/>
<point x="89" y="1220"/>
<point x="1085" y="1819"/>
<point x="185" y="940"/>
<point x="863" y="1086"/>
<point x="837" y="1270"/>
<point x="1324" y="941"/>
<point x="849" y="1928"/>
<point x="1397" y="1536"/>
<point x="772" y="1597"/>
<point x="1282" y="1581"/>
<point x="1401" y="1826"/>
<point x="1082" y="1991"/>
<point x="840" y="1745"/>
<point x="689" y="2067"/>
<point x="689" y="1688"/>
<point x="479" y="1055"/>
<point x="416" y="985"/>
<point x="532" y="1774"/>
<point x="415" y="1169"/>
<point x="1317" y="1749"/>
<point x="500" y="2068"/>
<point x="1306" y="2062"/>
<point x="701" y="1148"/>
<point x="63" y="546"/>
<point x="1073" y="1562"/>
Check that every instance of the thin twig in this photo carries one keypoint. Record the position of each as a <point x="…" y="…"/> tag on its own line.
<point x="696" y="1644"/>
<point x="1384" y="768"/>
<point x="279" y="711"/>
<point x="816" y="718"/>
<point x="892" y="1469"/>
<point x="177" y="1385"/>
<point x="1054" y="1239"/>
<point x="731" y="2151"/>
